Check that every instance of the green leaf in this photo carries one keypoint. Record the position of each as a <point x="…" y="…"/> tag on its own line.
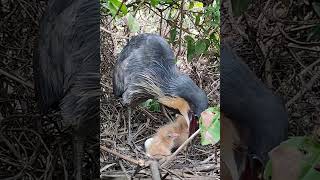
<point x="112" y="8"/>
<point x="154" y="3"/>
<point x="311" y="149"/>
<point x="191" y="5"/>
<point x="239" y="6"/>
<point x="198" y="19"/>
<point x="173" y="35"/>
<point x="316" y="7"/>
<point x="315" y="33"/>
<point x="116" y="5"/>
<point x="198" y="4"/>
<point x="151" y="105"/>
<point x="132" y="23"/>
<point x="210" y="126"/>
<point x="201" y="46"/>
<point x="190" y="47"/>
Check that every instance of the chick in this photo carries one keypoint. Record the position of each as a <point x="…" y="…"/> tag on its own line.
<point x="181" y="128"/>
<point x="167" y="138"/>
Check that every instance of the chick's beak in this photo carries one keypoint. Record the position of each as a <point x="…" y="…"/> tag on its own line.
<point x="193" y="127"/>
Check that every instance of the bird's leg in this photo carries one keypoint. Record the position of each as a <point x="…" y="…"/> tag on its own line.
<point x="78" y="143"/>
<point x="129" y="127"/>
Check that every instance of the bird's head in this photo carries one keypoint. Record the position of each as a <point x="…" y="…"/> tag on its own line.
<point x="188" y="98"/>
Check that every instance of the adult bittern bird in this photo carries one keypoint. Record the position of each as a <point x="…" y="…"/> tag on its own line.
<point x="255" y="120"/>
<point x="67" y="67"/>
<point x="146" y="69"/>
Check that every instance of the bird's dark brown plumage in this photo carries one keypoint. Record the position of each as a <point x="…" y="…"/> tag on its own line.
<point x="67" y="64"/>
<point x="252" y="107"/>
<point x="146" y="69"/>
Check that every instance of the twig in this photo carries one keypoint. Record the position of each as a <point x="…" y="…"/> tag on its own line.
<point x="181" y="22"/>
<point x="16" y="79"/>
<point x="314" y="49"/>
<point x="295" y="41"/>
<point x="154" y="167"/>
<point x="208" y="159"/>
<point x="172" y="172"/>
<point x="169" y="159"/>
<point x="112" y="33"/>
<point x="124" y="170"/>
<point x="306" y="88"/>
<point x="307" y="69"/>
<point x="164" y="111"/>
<point x="139" y="162"/>
<point x="106" y="167"/>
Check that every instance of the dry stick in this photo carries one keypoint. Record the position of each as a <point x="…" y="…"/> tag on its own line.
<point x="164" y="111"/>
<point x="314" y="49"/>
<point x="306" y="88"/>
<point x="139" y="162"/>
<point x="124" y="170"/>
<point x="172" y="172"/>
<point x="112" y="33"/>
<point x="308" y="69"/>
<point x="180" y="35"/>
<point x="16" y="79"/>
<point x="106" y="167"/>
<point x="154" y="167"/>
<point x="295" y="41"/>
<point x="170" y="158"/>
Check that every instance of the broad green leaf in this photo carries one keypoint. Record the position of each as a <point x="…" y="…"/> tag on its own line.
<point x="198" y="4"/>
<point x="190" y="47"/>
<point x="239" y="6"/>
<point x="151" y="105"/>
<point x="210" y="126"/>
<point x="132" y="23"/>
<point x="201" y="46"/>
<point x="173" y="34"/>
<point x="154" y="3"/>
<point x="311" y="150"/>
<point x="112" y="8"/>
<point x="116" y="4"/>
<point x="316" y="7"/>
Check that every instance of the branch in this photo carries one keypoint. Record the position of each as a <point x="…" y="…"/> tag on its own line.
<point x="170" y="158"/>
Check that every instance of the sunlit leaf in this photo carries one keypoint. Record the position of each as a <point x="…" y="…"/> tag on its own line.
<point x="123" y="7"/>
<point x="198" y="4"/>
<point x="210" y="126"/>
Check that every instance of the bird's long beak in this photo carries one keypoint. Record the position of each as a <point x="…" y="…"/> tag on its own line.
<point x="194" y="124"/>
